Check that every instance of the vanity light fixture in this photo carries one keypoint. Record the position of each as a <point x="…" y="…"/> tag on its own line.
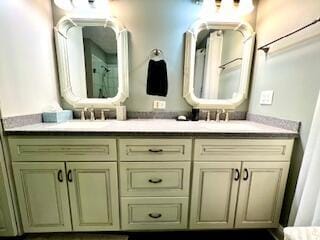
<point x="99" y="5"/>
<point x="208" y="8"/>
<point x="245" y="7"/>
<point x="64" y="4"/>
<point x="225" y="7"/>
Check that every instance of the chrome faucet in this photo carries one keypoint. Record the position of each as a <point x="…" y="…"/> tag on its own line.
<point x="91" y="110"/>
<point x="208" y="115"/>
<point x="218" y="115"/>
<point x="103" y="116"/>
<point x="82" y="114"/>
<point x="227" y="116"/>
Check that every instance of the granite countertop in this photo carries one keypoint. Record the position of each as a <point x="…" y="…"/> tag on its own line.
<point x="240" y="129"/>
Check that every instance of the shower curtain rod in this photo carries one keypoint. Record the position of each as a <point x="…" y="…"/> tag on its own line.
<point x="266" y="47"/>
<point x="224" y="65"/>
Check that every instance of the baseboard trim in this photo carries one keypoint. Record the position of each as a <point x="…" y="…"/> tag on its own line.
<point x="277" y="233"/>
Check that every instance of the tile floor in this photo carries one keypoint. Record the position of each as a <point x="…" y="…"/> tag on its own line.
<point x="194" y="235"/>
<point x="204" y="235"/>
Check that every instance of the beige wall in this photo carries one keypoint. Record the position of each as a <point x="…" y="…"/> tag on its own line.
<point x="156" y="24"/>
<point x="28" y="80"/>
<point x="292" y="70"/>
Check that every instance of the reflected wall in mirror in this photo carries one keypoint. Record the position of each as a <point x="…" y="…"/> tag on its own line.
<point x="218" y="64"/>
<point x="93" y="61"/>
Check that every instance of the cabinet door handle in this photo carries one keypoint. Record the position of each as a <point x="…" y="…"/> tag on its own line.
<point x="156" y="150"/>
<point x="237" y="177"/>
<point x="69" y="175"/>
<point x="155" y="180"/>
<point x="60" y="177"/>
<point x="246" y="174"/>
<point x="155" y="215"/>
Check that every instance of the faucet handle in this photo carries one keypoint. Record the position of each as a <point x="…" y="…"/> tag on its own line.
<point x="227" y="117"/>
<point x="208" y="115"/>
<point x="82" y="113"/>
<point x="218" y="115"/>
<point x="103" y="117"/>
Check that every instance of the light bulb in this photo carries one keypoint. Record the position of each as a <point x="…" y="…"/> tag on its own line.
<point x="227" y="6"/>
<point x="81" y="4"/>
<point x="245" y="7"/>
<point x="102" y="6"/>
<point x="64" y="4"/>
<point x="208" y="8"/>
<point x="100" y="3"/>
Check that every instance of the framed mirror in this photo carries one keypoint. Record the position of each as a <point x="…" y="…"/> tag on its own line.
<point x="218" y="58"/>
<point x="93" y="62"/>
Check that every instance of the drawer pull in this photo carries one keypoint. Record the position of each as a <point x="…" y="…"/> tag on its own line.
<point x="156" y="150"/>
<point x="155" y="180"/>
<point x="237" y="175"/>
<point x="60" y="177"/>
<point x="155" y="215"/>
<point x="69" y="175"/>
<point x="246" y="177"/>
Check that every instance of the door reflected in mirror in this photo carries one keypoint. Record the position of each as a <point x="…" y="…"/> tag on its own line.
<point x="93" y="60"/>
<point x="218" y="61"/>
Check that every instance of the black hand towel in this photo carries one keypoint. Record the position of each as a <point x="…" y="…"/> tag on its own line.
<point x="157" y="82"/>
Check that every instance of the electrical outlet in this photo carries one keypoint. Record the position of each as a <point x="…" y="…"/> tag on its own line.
<point x="266" y="97"/>
<point x="159" y="104"/>
<point x="155" y="104"/>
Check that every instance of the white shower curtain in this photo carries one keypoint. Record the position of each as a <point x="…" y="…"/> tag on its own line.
<point x="212" y="71"/>
<point x="305" y="209"/>
<point x="198" y="71"/>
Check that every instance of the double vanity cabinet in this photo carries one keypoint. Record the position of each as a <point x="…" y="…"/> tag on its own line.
<point x="99" y="183"/>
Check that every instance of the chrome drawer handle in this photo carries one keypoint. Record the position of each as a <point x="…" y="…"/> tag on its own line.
<point x="155" y="215"/>
<point x="155" y="150"/>
<point x="237" y="175"/>
<point x="155" y="180"/>
<point x="69" y="176"/>
<point x="246" y="177"/>
<point x="60" y="177"/>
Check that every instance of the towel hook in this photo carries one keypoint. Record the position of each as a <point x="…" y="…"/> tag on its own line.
<point x="156" y="53"/>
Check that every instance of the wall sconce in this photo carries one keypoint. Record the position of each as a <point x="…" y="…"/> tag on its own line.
<point x="241" y="7"/>
<point x="209" y="7"/>
<point x="245" y="7"/>
<point x="64" y="4"/>
<point x="100" y="6"/>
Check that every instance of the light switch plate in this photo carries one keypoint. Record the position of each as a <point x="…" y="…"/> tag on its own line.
<point x="266" y="97"/>
<point x="155" y="104"/>
<point x="159" y="104"/>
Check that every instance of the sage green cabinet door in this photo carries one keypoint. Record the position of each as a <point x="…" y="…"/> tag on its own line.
<point x="261" y="193"/>
<point x="214" y="194"/>
<point x="94" y="198"/>
<point x="43" y="196"/>
<point x="7" y="218"/>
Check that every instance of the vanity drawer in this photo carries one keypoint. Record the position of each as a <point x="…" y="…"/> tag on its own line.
<point x="62" y="149"/>
<point x="154" y="213"/>
<point x="154" y="179"/>
<point x="242" y="149"/>
<point x="155" y="149"/>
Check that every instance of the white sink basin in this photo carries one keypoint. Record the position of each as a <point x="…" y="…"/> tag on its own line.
<point x="80" y="125"/>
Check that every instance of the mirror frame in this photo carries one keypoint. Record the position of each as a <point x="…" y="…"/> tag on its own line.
<point x="61" y="30"/>
<point x="190" y="53"/>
